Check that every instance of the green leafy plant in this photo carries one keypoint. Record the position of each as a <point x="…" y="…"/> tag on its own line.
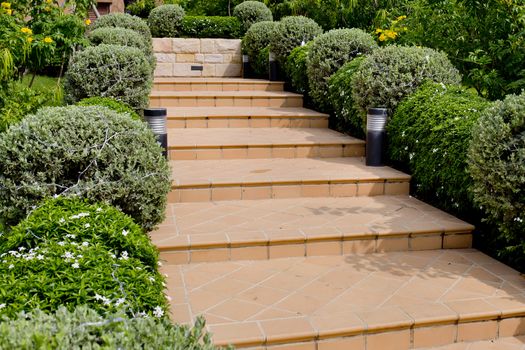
<point x="261" y="64"/>
<point x="295" y="68"/>
<point x="141" y="8"/>
<point x="124" y="20"/>
<point x="91" y="152"/>
<point x="347" y="117"/>
<point x="110" y="103"/>
<point x="121" y="72"/>
<point x="290" y="33"/>
<point x="84" y="328"/>
<point x="71" y="253"/>
<point x="497" y="165"/>
<point x="250" y="12"/>
<point x="391" y="73"/>
<point x="211" y="27"/>
<point x="256" y="39"/>
<point x="429" y="134"/>
<point x="328" y="52"/>
<point x="165" y="21"/>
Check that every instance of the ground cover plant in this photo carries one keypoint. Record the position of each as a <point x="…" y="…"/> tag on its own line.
<point x="110" y="103"/>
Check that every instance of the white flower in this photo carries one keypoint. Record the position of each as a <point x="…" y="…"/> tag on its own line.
<point x="61" y="243"/>
<point x="69" y="235"/>
<point x="79" y="215"/>
<point x="87" y="225"/>
<point x="124" y="255"/>
<point x="141" y="314"/>
<point x="85" y="244"/>
<point x="68" y="255"/>
<point x="75" y="265"/>
<point x="151" y="279"/>
<point x="120" y="301"/>
<point x="158" y="312"/>
<point x="112" y="255"/>
<point x="40" y="257"/>
<point x="106" y="301"/>
<point x="99" y="210"/>
<point x="125" y="233"/>
<point x="2" y="306"/>
<point x="159" y="263"/>
<point x="80" y="256"/>
<point x="61" y="221"/>
<point x="21" y="249"/>
<point x="98" y="296"/>
<point x="11" y="266"/>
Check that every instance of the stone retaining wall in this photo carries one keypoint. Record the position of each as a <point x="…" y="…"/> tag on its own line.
<point x="217" y="57"/>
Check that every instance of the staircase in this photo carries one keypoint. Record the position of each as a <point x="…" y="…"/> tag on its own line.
<point x="282" y="238"/>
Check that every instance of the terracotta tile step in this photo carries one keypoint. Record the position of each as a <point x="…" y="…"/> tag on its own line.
<point x="236" y="179"/>
<point x="507" y="343"/>
<point x="253" y="117"/>
<point x="215" y="84"/>
<point x="257" y="143"/>
<point x="390" y="301"/>
<point x="225" y="99"/>
<point x="269" y="229"/>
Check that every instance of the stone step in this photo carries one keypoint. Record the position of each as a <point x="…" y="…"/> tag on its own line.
<point x="225" y="99"/>
<point x="276" y="228"/>
<point x="215" y="84"/>
<point x="236" y="179"/>
<point x="250" y="117"/>
<point x="388" y="301"/>
<point x="242" y="143"/>
<point x="506" y="343"/>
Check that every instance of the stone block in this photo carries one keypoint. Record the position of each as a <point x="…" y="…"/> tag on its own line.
<point x="164" y="70"/>
<point x="207" y="45"/>
<point x="213" y="58"/>
<point x="166" y="57"/>
<point x="228" y="70"/>
<point x="199" y="58"/>
<point x="186" y="45"/>
<point x="185" y="58"/>
<point x="184" y="70"/>
<point x="208" y="70"/>
<point x="162" y="45"/>
<point x="228" y="45"/>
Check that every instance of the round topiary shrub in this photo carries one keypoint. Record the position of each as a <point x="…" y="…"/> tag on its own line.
<point x="71" y="253"/>
<point x="347" y="117"/>
<point x="121" y="72"/>
<point x="124" y="20"/>
<point x="295" y="68"/>
<point x="328" y="53"/>
<point x="165" y="21"/>
<point x="291" y="32"/>
<point x="429" y="133"/>
<point x="497" y="165"/>
<point x="120" y="36"/>
<point x="250" y="12"/>
<point x="393" y="72"/>
<point x="92" y="152"/>
<point x="256" y="39"/>
<point x="110" y="103"/>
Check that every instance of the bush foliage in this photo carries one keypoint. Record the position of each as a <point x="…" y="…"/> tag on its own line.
<point x="70" y="253"/>
<point x="250" y="12"/>
<point x="119" y="36"/>
<point x="295" y="68"/>
<point x="290" y="33"/>
<point x="91" y="152"/>
<point x="211" y="27"/>
<point x="165" y="21"/>
<point x="393" y="72"/>
<point x="340" y="99"/>
<point x="121" y="72"/>
<point x="430" y="133"/>
<point x="329" y="51"/>
<point x="66" y="330"/>
<point x="110" y="103"/>
<point x="124" y="20"/>
<point x="256" y="39"/>
<point x="497" y="165"/>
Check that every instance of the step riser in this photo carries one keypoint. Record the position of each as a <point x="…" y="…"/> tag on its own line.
<point x="217" y="87"/>
<point x="314" y="151"/>
<point x="182" y="255"/>
<point x="234" y="101"/>
<point x="290" y="190"/>
<point x="188" y="123"/>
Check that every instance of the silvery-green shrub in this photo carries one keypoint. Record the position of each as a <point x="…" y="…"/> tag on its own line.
<point x="91" y="152"/>
<point x="165" y="21"/>
<point x="124" y="20"/>
<point x="256" y="39"/>
<point x="250" y="12"/>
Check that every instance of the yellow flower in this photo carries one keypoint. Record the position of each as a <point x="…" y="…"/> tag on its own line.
<point x="391" y="34"/>
<point x="382" y="37"/>
<point x="48" y="40"/>
<point x="400" y="18"/>
<point x="30" y="39"/>
<point x="87" y="21"/>
<point x="49" y="1"/>
<point x="6" y="5"/>
<point x="47" y="9"/>
<point x="9" y="11"/>
<point x="26" y="30"/>
<point x="379" y="30"/>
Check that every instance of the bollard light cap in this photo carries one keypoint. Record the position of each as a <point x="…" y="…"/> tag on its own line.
<point x="155" y="112"/>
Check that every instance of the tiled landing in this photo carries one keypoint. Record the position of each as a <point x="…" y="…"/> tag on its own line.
<point x="390" y="301"/>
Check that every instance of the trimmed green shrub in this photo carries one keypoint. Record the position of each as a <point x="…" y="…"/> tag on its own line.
<point x="165" y="21"/>
<point x="261" y="65"/>
<point x="430" y="133"/>
<point x="340" y="99"/>
<point x="393" y="72"/>
<point x="121" y="72"/>
<point x="250" y="12"/>
<point x="211" y="27"/>
<point x="290" y="33"/>
<point x="497" y="165"/>
<point x="256" y="39"/>
<point x="92" y="152"/>
<point x="110" y="103"/>
<point x="71" y="253"/>
<point x="141" y="8"/>
<point x="84" y="328"/>
<point x="124" y="20"/>
<point x="295" y="68"/>
<point x="329" y="51"/>
<point x="120" y="36"/>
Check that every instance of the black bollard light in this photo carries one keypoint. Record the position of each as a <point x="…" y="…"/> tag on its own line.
<point x="274" y="68"/>
<point x="246" y="67"/>
<point x="375" y="136"/>
<point x="156" y="119"/>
